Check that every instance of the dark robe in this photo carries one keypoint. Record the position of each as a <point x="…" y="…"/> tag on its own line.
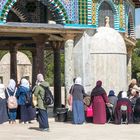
<point x="137" y="111"/>
<point x="118" y="112"/>
<point x="3" y="111"/>
<point x="99" y="100"/>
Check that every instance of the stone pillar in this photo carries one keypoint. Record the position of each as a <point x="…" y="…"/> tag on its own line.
<point x="129" y="63"/>
<point x="34" y="71"/>
<point x="69" y="62"/>
<point x="39" y="54"/>
<point x="56" y="45"/>
<point x="13" y="62"/>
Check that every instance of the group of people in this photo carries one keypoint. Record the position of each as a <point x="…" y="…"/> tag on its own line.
<point x="16" y="102"/>
<point x="22" y="95"/>
<point x="24" y="111"/>
<point x="122" y="108"/>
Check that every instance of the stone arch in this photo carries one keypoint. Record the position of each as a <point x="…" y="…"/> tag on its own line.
<point x="21" y="15"/>
<point x="24" y="66"/>
<point x="115" y="11"/>
<point x="54" y="5"/>
<point x="131" y="31"/>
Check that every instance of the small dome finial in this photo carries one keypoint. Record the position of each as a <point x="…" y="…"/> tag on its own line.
<point x="107" y="21"/>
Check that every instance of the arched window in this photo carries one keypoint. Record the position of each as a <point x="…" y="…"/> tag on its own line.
<point x="105" y="10"/>
<point x="131" y="31"/>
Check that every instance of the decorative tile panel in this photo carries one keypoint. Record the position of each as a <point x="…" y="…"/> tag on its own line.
<point x="80" y="13"/>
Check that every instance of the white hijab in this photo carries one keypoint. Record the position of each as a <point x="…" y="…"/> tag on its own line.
<point x="2" y="91"/>
<point x="124" y="94"/>
<point x="40" y="78"/>
<point x="12" y="85"/>
<point x="25" y="83"/>
<point x="78" y="81"/>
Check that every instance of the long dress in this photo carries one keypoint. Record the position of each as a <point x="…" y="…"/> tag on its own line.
<point x="3" y="105"/>
<point x="99" y="107"/>
<point x="77" y="92"/>
<point x="3" y="111"/>
<point x="137" y="111"/>
<point x="27" y="112"/>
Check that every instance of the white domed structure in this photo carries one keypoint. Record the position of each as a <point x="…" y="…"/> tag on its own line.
<point x="108" y="40"/>
<point x="108" y="59"/>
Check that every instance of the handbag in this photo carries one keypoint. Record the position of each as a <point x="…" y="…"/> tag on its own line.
<point x="70" y="100"/>
<point x="34" y="100"/>
<point x="89" y="111"/>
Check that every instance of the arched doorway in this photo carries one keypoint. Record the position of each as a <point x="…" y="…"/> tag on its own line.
<point x="131" y="31"/>
<point x="105" y="10"/>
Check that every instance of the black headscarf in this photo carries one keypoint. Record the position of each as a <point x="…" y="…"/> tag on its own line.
<point x="98" y="90"/>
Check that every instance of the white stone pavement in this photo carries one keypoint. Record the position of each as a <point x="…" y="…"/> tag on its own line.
<point x="68" y="131"/>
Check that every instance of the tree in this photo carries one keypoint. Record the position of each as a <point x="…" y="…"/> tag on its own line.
<point x="136" y="62"/>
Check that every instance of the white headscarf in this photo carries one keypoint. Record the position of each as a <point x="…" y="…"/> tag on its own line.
<point x="12" y="85"/>
<point x="124" y="94"/>
<point x="78" y="81"/>
<point x="40" y="77"/>
<point x="25" y="83"/>
<point x="2" y="91"/>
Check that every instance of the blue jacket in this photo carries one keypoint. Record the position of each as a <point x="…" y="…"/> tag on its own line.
<point x="21" y="94"/>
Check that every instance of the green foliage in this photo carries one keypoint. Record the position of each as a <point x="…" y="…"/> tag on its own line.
<point x="28" y="53"/>
<point x="48" y="62"/>
<point x="136" y="62"/>
<point x="49" y="67"/>
<point x="2" y="53"/>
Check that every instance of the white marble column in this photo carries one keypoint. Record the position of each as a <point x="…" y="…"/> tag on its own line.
<point x="129" y="63"/>
<point x="69" y="63"/>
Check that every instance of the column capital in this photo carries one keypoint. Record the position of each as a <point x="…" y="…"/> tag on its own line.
<point x="41" y="38"/>
<point x="57" y="44"/>
<point x="69" y="36"/>
<point x="13" y="47"/>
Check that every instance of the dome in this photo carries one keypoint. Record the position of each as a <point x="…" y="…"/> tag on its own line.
<point x="107" y="40"/>
<point x="21" y="59"/>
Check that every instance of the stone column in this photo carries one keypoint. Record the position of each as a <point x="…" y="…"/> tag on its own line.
<point x="39" y="54"/>
<point x="129" y="63"/>
<point x="13" y="62"/>
<point x="34" y="71"/>
<point x="69" y="62"/>
<point x="56" y="45"/>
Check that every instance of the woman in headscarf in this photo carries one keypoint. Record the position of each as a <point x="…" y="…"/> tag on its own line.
<point x="39" y="92"/>
<point x="99" y="100"/>
<point x="3" y="105"/>
<point x="24" y="95"/>
<point x="137" y="111"/>
<point x="132" y="84"/>
<point x="123" y="101"/>
<point x="77" y="92"/>
<point x="112" y="99"/>
<point x="133" y="96"/>
<point x="11" y="91"/>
